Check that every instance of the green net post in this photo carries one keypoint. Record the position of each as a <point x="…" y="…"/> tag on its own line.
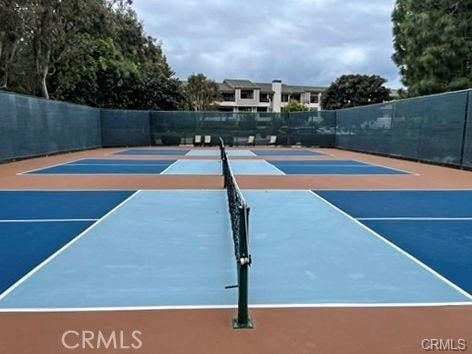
<point x="243" y="320"/>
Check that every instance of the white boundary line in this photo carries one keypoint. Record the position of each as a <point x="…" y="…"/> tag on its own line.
<point x="278" y="169"/>
<point x="414" y="259"/>
<point x="62" y="249"/>
<point x="44" y="220"/>
<point x="222" y="307"/>
<point x="165" y="169"/>
<point x="50" y="166"/>
<point x="420" y="218"/>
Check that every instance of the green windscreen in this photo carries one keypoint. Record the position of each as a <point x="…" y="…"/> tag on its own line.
<point x="31" y="126"/>
<point x="307" y="128"/>
<point x="125" y="128"/>
<point x="426" y="128"/>
<point x="467" y="160"/>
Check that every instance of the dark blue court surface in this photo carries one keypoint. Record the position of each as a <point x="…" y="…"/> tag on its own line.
<point x="433" y="226"/>
<point x="333" y="167"/>
<point x="24" y="245"/>
<point x="161" y="152"/>
<point x="295" y="152"/>
<point x="35" y="224"/>
<point x="102" y="166"/>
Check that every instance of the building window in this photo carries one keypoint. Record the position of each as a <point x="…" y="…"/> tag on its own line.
<point x="313" y="97"/>
<point x="264" y="97"/>
<point x="228" y="96"/>
<point x="296" y="97"/>
<point x="247" y="94"/>
<point x="262" y="109"/>
<point x="245" y="109"/>
<point x="285" y="97"/>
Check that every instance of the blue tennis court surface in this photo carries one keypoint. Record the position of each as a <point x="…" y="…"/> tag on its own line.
<point x="333" y="167"/>
<point x="433" y="226"/>
<point x="33" y="225"/>
<point x="149" y="252"/>
<point x="104" y="166"/>
<point x="294" y="152"/>
<point x="213" y="167"/>
<point x="157" y="152"/>
<point x="215" y="152"/>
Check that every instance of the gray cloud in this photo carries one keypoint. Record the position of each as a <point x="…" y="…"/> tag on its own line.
<point x="299" y="41"/>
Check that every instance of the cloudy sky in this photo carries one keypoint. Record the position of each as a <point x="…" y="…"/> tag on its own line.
<point x="299" y="41"/>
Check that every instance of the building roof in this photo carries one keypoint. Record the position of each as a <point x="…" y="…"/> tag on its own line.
<point x="240" y="84"/>
<point x="301" y="89"/>
<point x="231" y="84"/>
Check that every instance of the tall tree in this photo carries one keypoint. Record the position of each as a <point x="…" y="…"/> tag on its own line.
<point x="91" y="52"/>
<point x="355" y="90"/>
<point x="11" y="30"/>
<point x="433" y="44"/>
<point x="200" y="92"/>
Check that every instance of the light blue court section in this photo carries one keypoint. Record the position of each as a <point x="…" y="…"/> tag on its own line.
<point x="333" y="167"/>
<point x="171" y="248"/>
<point x="216" y="153"/>
<point x="161" y="152"/>
<point x="160" y="248"/>
<point x="213" y="167"/>
<point x="305" y="251"/>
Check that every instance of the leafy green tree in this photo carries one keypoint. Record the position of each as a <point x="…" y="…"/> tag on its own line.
<point x="433" y="44"/>
<point x="200" y="92"/>
<point x="355" y="90"/>
<point x="11" y="30"/>
<point x="91" y="52"/>
<point x="295" y="106"/>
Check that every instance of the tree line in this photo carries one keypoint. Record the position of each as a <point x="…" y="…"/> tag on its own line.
<point x="96" y="52"/>
<point x="92" y="52"/>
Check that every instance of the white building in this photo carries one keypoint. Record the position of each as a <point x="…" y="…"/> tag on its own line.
<point x="246" y="96"/>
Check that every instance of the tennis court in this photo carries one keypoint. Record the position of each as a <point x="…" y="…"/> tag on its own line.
<point x="144" y="236"/>
<point x="212" y="167"/>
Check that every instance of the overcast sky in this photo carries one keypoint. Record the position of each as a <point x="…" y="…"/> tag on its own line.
<point x="309" y="42"/>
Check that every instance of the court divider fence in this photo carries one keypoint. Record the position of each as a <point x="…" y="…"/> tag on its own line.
<point x="435" y="128"/>
<point x="125" y="128"/>
<point x="303" y="128"/>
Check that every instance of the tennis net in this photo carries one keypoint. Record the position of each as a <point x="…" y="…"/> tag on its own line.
<point x="239" y="215"/>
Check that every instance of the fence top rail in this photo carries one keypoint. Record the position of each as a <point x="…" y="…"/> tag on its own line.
<point x="401" y="100"/>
